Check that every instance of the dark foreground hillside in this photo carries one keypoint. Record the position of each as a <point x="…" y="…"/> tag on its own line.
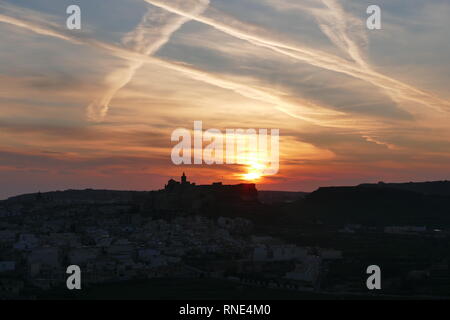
<point x="380" y="205"/>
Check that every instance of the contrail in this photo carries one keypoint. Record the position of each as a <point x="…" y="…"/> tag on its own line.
<point x="347" y="33"/>
<point x="153" y="32"/>
<point x="316" y="58"/>
<point x="309" y="111"/>
<point x="344" y="30"/>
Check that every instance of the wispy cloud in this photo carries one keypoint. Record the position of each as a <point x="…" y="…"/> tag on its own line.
<point x="360" y="70"/>
<point x="339" y="114"/>
<point x="152" y="33"/>
<point x="303" y="109"/>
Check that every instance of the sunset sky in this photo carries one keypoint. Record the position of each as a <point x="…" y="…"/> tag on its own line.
<point x="96" y="107"/>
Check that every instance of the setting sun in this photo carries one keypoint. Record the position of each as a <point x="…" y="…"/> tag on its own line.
<point x="255" y="171"/>
<point x="251" y="176"/>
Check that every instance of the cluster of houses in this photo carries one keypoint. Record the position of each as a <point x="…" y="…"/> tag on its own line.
<point x="111" y="239"/>
<point x="109" y="247"/>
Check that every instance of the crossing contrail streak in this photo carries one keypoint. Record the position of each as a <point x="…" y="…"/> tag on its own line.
<point x="302" y="109"/>
<point x="396" y="88"/>
<point x="153" y="32"/>
<point x="343" y="29"/>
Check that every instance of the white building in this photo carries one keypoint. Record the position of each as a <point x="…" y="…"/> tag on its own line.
<point x="330" y="254"/>
<point x="288" y="252"/>
<point x="27" y="241"/>
<point x="6" y="266"/>
<point x="148" y="255"/>
<point x="260" y="254"/>
<point x="308" y="270"/>
<point x="48" y="256"/>
<point x="404" y="229"/>
<point x="122" y="250"/>
<point x="80" y="256"/>
<point x="8" y="236"/>
<point x="279" y="253"/>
